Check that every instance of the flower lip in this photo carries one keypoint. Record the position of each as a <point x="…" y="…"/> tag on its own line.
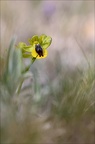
<point x="39" y="50"/>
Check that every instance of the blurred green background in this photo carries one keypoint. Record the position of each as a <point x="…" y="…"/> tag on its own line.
<point x="56" y="105"/>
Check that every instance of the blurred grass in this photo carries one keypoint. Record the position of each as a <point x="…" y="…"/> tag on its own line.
<point x="57" y="102"/>
<point x="61" y="110"/>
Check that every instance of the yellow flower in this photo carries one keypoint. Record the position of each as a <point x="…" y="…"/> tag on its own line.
<point x="37" y="48"/>
<point x="39" y="52"/>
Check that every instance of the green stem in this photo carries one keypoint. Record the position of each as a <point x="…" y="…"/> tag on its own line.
<point x="26" y="69"/>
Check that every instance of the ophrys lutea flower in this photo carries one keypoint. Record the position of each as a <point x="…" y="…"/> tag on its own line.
<point x="37" y="48"/>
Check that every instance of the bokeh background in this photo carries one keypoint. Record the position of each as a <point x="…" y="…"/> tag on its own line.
<point x="59" y="106"/>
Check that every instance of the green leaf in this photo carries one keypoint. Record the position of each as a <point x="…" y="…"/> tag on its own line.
<point x="13" y="70"/>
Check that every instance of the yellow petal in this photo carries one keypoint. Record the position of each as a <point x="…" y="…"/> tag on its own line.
<point x="21" y="45"/>
<point x="45" y="41"/>
<point x="35" y="54"/>
<point x="34" y="40"/>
